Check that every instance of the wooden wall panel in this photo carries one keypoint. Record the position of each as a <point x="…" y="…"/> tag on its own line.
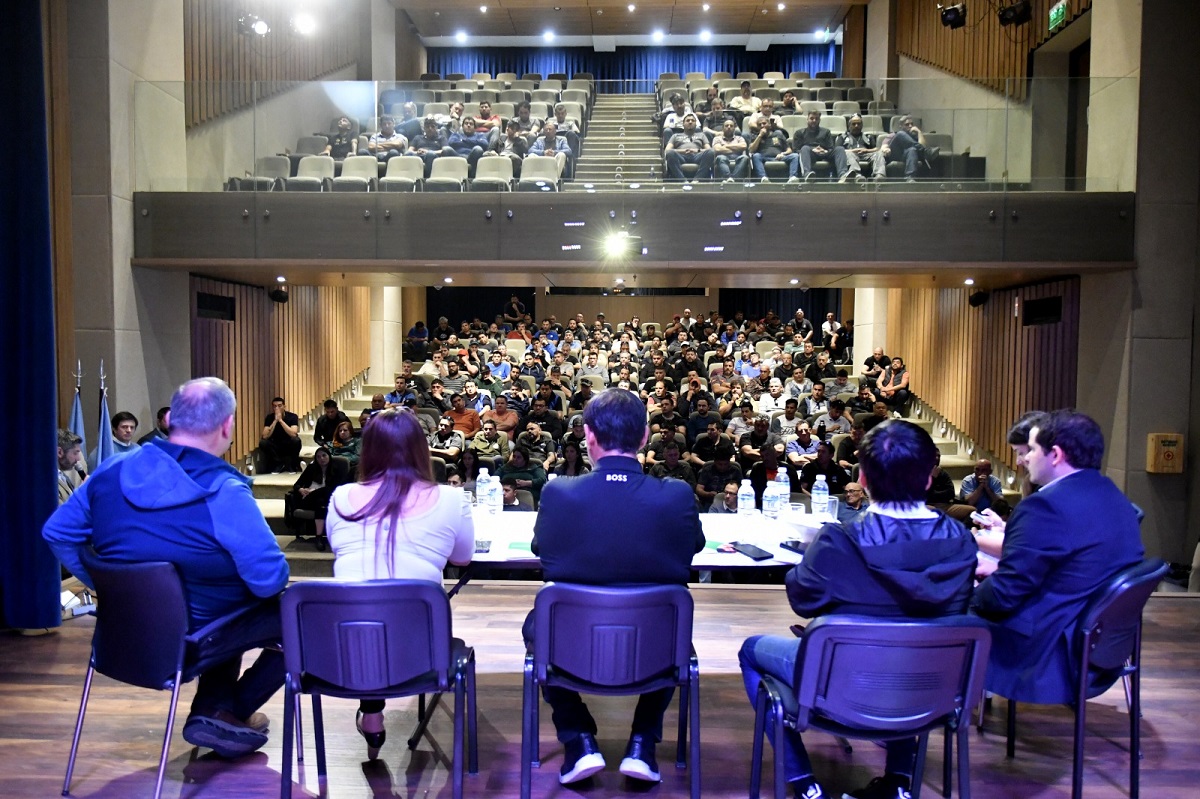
<point x="979" y="367"/>
<point x="222" y="65"/>
<point x="983" y="52"/>
<point x="302" y="350"/>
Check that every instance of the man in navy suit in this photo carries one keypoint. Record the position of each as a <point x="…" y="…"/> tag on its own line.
<point x="614" y="526"/>
<point x="1060" y="545"/>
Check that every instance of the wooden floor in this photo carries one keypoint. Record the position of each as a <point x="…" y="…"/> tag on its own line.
<point x="40" y="681"/>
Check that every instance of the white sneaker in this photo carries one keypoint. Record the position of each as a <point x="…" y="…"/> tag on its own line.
<point x="793" y="179"/>
<point x="765" y="179"/>
<point x="728" y="180"/>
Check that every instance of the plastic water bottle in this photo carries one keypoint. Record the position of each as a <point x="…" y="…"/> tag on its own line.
<point x="487" y="488"/>
<point x="783" y="485"/>
<point x="820" y="495"/>
<point x="746" y="498"/>
<point x="770" y="506"/>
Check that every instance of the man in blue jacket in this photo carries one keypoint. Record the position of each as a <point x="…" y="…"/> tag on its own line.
<point x="900" y="559"/>
<point x="649" y="541"/>
<point x="1060" y="545"/>
<point x="178" y="501"/>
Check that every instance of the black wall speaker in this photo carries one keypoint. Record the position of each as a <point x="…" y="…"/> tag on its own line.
<point x="278" y="294"/>
<point x="978" y="298"/>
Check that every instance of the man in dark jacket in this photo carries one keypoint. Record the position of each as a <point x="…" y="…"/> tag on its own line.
<point x="900" y="560"/>
<point x="656" y="551"/>
<point x="178" y="501"/>
<point x="1061" y="544"/>
<point x="814" y="140"/>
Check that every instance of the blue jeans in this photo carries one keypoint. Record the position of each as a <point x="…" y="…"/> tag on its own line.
<point x="731" y="166"/>
<point x="760" y="169"/>
<point x="675" y="159"/>
<point x="776" y="656"/>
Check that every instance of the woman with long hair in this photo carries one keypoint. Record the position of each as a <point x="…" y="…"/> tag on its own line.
<point x="347" y="445"/>
<point x="316" y="484"/>
<point x="572" y="464"/>
<point x="397" y="523"/>
<point x="468" y="466"/>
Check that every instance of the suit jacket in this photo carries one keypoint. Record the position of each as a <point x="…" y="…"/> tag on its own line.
<point x="617" y="526"/>
<point x="1060" y="545"/>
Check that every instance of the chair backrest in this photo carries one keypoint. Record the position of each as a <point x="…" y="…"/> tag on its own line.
<point x="139" y="632"/>
<point x="843" y="83"/>
<point x="826" y="75"/>
<point x="360" y="166"/>
<point x="540" y="110"/>
<point x="534" y="76"/>
<point x="545" y="96"/>
<point x="410" y="168"/>
<point x="834" y="124"/>
<point x="772" y="76"/>
<point x="668" y="76"/>
<point x="845" y="108"/>
<point x="364" y="637"/>
<point x="609" y="636"/>
<point x="811" y="105"/>
<point x="436" y="108"/>
<point x="514" y="96"/>
<point x="524" y="85"/>
<point x="493" y="169"/>
<point x="481" y="76"/>
<point x="890" y="675"/>
<point x="438" y="85"/>
<point x="798" y="76"/>
<point x="452" y="96"/>
<point x="454" y="76"/>
<point x="747" y="76"/>
<point x="1109" y="626"/>
<point x="872" y="123"/>
<point x="449" y="167"/>
<point x="574" y="109"/>
<point x="792" y="123"/>
<point x="831" y="95"/>
<point x="693" y="77"/>
<point x="860" y="94"/>
<point x="716" y="76"/>
<point x="506" y="76"/>
<point x="537" y="168"/>
<point x="943" y="140"/>
<point x="273" y="166"/>
<point x="504" y="109"/>
<point x="311" y="145"/>
<point x="484" y="95"/>
<point x="551" y="85"/>
<point x="315" y="166"/>
<point x="422" y="96"/>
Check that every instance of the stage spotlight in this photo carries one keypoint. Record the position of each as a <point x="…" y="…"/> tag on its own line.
<point x="954" y="16"/>
<point x="1018" y="13"/>
<point x="252" y="24"/>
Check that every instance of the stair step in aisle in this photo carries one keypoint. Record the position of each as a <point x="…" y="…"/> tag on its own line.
<point x="622" y="146"/>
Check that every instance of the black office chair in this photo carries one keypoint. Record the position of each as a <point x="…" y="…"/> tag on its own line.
<point x="374" y="640"/>
<point x="879" y="679"/>
<point x="141" y="638"/>
<point x="613" y="641"/>
<point x="1108" y="645"/>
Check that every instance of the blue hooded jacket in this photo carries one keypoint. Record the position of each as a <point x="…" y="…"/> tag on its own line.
<point x="165" y="502"/>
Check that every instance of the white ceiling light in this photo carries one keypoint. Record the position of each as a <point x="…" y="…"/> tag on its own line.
<point x="632" y="8"/>
<point x="705" y="35"/>
<point x="483" y="9"/>
<point x="461" y="37"/>
<point x="548" y="36"/>
<point x="657" y="36"/>
<point x="304" y="23"/>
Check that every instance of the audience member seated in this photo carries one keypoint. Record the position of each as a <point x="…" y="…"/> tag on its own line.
<point x="821" y="370"/>
<point x="468" y="468"/>
<point x="980" y="489"/>
<point x="746" y="102"/>
<point x="673" y="465"/>
<point x="862" y="150"/>
<point x="785" y="424"/>
<point x="847" y="450"/>
<point x="70" y="472"/>
<point x="813" y="141"/>
<point x="834" y="420"/>
<point x="527" y="126"/>
<point x="396" y="524"/>
<point x="824" y="464"/>
<point x="409" y="125"/>
<point x="712" y="121"/>
<point x="466" y="420"/>
<point x="551" y="144"/>
<point x="387" y="143"/>
<point x="446" y="442"/>
<point x="342" y="141"/>
<point x="488" y="124"/>
<point x="893" y="385"/>
<point x="526" y="471"/>
<point x="430" y="144"/>
<point x="907" y="144"/>
<point x="752" y="444"/>
<point x="575" y="435"/>
<point x="672" y="121"/>
<point x="469" y="145"/>
<point x="317" y="482"/>
<point x="541" y="445"/>
<point x="513" y="146"/>
<point x="491" y="445"/>
<point x="567" y="128"/>
<point x="726" y="498"/>
<point x="853" y="506"/>
<point x="803" y="449"/>
<point x="771" y="143"/>
<point x="787" y="106"/>
<point x="346" y="445"/>
<point x="437" y="397"/>
<point x="570" y="461"/>
<point x="689" y="146"/>
<point x="941" y="496"/>
<point x="765" y="471"/>
<point x="512" y="501"/>
<point x="816" y="403"/>
<point x="773" y="399"/>
<point x="879" y="414"/>
<point x="280" y="439"/>
<point x="327" y="423"/>
<point x="863" y="402"/>
<point x="401" y="393"/>
<point x="124" y="426"/>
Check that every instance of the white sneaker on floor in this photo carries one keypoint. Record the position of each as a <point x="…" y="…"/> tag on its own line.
<point x="792" y="180"/>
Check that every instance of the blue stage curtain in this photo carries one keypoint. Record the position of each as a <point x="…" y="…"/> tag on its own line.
<point x="638" y="66"/>
<point x="755" y="303"/>
<point x="464" y="303"/>
<point x="30" y="573"/>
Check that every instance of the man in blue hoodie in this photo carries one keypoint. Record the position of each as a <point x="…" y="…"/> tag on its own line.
<point x="899" y="560"/>
<point x="176" y="500"/>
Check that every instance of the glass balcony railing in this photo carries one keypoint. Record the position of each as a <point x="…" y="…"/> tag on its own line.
<point x="1061" y="136"/>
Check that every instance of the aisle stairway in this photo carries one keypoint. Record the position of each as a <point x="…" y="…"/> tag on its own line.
<point x="622" y="144"/>
<point x="306" y="561"/>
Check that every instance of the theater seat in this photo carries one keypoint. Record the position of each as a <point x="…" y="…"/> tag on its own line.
<point x="359" y="173"/>
<point x="314" y="173"/>
<point x="403" y="174"/>
<point x="493" y="174"/>
<point x="448" y="173"/>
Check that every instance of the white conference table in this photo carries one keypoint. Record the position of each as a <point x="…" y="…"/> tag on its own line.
<point x="509" y="535"/>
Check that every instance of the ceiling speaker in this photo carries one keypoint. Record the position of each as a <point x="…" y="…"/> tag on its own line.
<point x="278" y="294"/>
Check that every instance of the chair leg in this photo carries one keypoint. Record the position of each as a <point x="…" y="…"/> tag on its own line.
<point x="1135" y="724"/>
<point x="695" y="719"/>
<point x="919" y="767"/>
<point x="460" y="700"/>
<point x="472" y="721"/>
<point x="299" y="713"/>
<point x="780" y="776"/>
<point x="83" y="700"/>
<point x="424" y="714"/>
<point x="760" y="731"/>
<point x="681" y="738"/>
<point x="1010" y="732"/>
<point x="319" y="735"/>
<point x="527" y="707"/>
<point x="947" y="760"/>
<point x="166" y="747"/>
<point x="291" y="725"/>
<point x="964" y="766"/>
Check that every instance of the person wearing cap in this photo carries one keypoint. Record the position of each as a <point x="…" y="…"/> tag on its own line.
<point x="575" y="435"/>
<point x="802" y="326"/>
<point x="773" y="399"/>
<point x="430" y="144"/>
<point x="689" y="147"/>
<point x="745" y="103"/>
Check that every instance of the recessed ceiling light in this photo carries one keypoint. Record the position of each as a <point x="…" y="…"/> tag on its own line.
<point x="483" y="9"/>
<point x="620" y="280"/>
<point x="706" y="6"/>
<point x="632" y="8"/>
<point x="548" y="36"/>
<point x="304" y="23"/>
<point x="657" y="36"/>
<point x="780" y="7"/>
<point x="794" y="281"/>
<point x="461" y="37"/>
<point x="705" y="35"/>
<point x="447" y="280"/>
<point x="969" y="281"/>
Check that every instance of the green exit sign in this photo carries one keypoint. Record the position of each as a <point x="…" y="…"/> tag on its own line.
<point x="1058" y="14"/>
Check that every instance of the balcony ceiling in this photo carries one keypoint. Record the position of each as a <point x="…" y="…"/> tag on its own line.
<point x="685" y="18"/>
